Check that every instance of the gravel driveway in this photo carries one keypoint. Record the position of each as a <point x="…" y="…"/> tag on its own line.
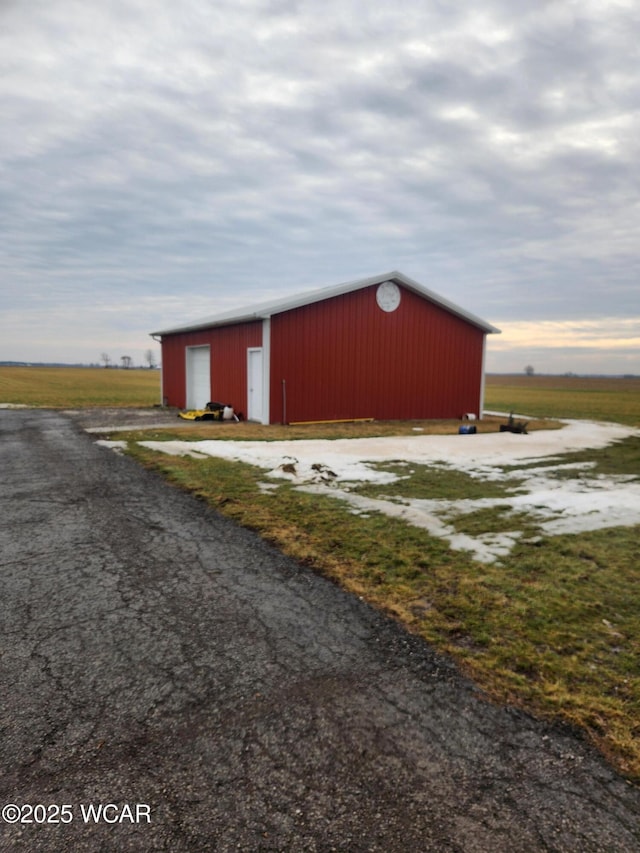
<point x="217" y="696"/>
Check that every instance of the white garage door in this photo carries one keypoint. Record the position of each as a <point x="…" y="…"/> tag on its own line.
<point x="198" y="377"/>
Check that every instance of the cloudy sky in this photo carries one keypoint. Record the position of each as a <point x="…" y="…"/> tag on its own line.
<point x="164" y="161"/>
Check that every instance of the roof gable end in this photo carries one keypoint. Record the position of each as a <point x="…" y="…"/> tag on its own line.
<point x="268" y="309"/>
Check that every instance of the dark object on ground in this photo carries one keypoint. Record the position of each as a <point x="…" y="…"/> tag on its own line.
<point x="514" y="426"/>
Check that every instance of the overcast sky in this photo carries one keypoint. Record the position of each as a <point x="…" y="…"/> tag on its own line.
<point x="162" y="161"/>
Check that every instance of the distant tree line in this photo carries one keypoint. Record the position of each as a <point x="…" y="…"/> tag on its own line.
<point x="127" y="361"/>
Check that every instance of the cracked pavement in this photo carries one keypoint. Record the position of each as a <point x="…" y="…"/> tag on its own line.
<point x="153" y="652"/>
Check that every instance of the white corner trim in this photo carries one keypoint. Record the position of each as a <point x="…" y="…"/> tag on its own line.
<point x="266" y="370"/>
<point x="482" y="374"/>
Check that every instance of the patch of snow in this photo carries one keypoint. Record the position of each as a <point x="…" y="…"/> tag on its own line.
<point x="118" y="446"/>
<point x="287" y="460"/>
<point x="558" y="505"/>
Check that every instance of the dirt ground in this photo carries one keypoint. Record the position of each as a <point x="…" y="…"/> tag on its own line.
<point x="108" y="419"/>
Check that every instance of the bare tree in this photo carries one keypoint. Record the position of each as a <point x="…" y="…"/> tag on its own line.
<point x="150" y="358"/>
<point x="126" y="361"/>
<point x="106" y="358"/>
<point x="529" y="370"/>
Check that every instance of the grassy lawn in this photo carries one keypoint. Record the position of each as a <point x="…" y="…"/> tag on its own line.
<point x="78" y="387"/>
<point x="553" y="628"/>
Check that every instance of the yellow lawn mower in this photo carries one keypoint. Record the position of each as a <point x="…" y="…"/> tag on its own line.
<point x="211" y="412"/>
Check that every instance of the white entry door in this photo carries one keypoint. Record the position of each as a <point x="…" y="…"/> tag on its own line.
<point x="255" y="382"/>
<point x="198" y="377"/>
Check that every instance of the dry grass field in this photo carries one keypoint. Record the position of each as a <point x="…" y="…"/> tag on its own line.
<point x="604" y="399"/>
<point x="585" y="398"/>
<point x="78" y="387"/>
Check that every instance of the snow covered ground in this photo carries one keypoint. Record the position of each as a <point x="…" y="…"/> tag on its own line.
<point x="571" y="504"/>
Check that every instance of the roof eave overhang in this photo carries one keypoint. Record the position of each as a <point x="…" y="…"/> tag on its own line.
<point x="267" y="310"/>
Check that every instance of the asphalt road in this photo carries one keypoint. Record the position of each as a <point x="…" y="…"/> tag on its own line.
<point x="215" y="696"/>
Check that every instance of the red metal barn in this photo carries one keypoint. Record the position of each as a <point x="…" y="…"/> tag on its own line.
<point x="382" y="347"/>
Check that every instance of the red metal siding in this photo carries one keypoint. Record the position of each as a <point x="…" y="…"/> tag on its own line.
<point x="228" y="362"/>
<point x="345" y="358"/>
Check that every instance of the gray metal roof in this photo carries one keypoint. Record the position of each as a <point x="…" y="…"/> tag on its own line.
<point x="268" y="309"/>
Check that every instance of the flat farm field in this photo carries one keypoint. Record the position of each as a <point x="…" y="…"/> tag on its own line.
<point x="585" y="398"/>
<point x="78" y="387"/>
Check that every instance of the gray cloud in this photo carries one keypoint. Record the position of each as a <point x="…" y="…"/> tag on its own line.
<point x="221" y="153"/>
